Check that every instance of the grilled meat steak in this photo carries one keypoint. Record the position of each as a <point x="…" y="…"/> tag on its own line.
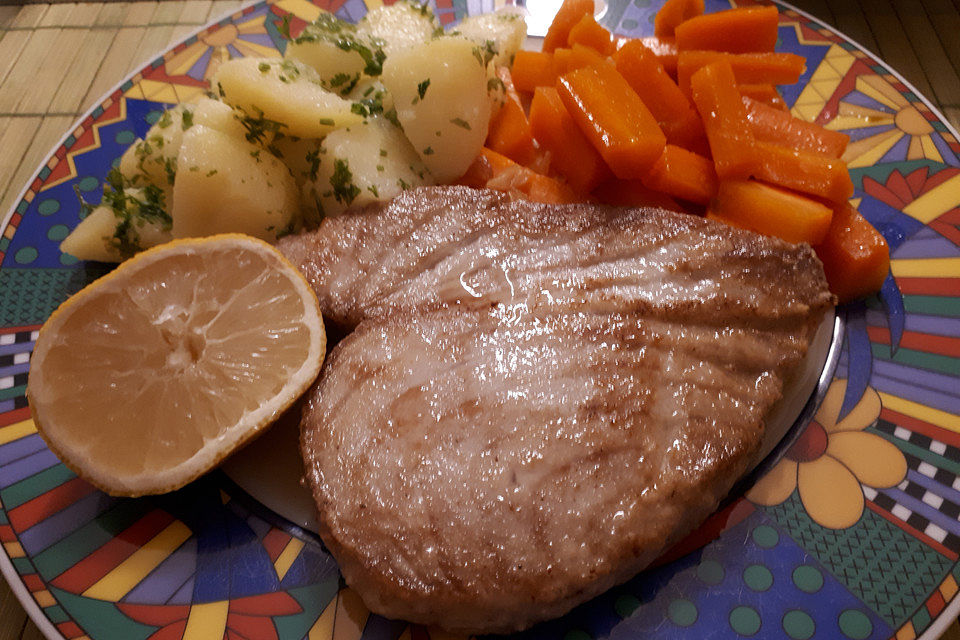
<point x="537" y="400"/>
<point x="454" y="245"/>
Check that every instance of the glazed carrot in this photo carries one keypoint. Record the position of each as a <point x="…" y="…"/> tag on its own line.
<point x="664" y="48"/>
<point x="682" y="174"/>
<point x="724" y="119"/>
<point x="614" y="119"/>
<point x="589" y="33"/>
<point x="672" y="109"/>
<point x="509" y="132"/>
<point x="856" y="258"/>
<point x="771" y="211"/>
<point x="572" y="155"/>
<point x="576" y="57"/>
<point x="672" y="13"/>
<point x="811" y="173"/>
<point x="532" y="69"/>
<point x="486" y="165"/>
<point x="748" y="68"/>
<point x="770" y="124"/>
<point x="633" y="193"/>
<point x="736" y="31"/>
<point x="569" y="14"/>
<point x="765" y="93"/>
<point x="495" y="171"/>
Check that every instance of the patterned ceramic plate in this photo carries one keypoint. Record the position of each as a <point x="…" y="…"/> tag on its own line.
<point x="853" y="533"/>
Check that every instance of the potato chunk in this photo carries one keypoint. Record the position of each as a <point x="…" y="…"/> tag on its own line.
<point x="400" y="25"/>
<point x="226" y="184"/>
<point x="129" y="219"/>
<point x="337" y="52"/>
<point x="505" y="28"/>
<point x="440" y="92"/>
<point x="362" y="164"/>
<point x="283" y="93"/>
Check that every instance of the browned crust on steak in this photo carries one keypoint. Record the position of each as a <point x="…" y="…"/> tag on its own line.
<point x="537" y="400"/>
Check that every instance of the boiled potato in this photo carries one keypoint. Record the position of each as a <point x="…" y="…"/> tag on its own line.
<point x="153" y="160"/>
<point x="400" y="25"/>
<point x="227" y="184"/>
<point x="440" y="92"/>
<point x="282" y="95"/>
<point x="362" y="164"/>
<point x="334" y="49"/>
<point x="129" y="220"/>
<point x="372" y="96"/>
<point x="505" y="28"/>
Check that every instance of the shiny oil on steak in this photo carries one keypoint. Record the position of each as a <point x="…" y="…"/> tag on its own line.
<point x="536" y="400"/>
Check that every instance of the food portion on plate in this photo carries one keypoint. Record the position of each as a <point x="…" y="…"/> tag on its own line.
<point x="573" y="283"/>
<point x="150" y="376"/>
<point x="538" y="399"/>
<point x="351" y="114"/>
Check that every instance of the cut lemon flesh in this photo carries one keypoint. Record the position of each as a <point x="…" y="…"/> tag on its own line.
<point x="151" y="375"/>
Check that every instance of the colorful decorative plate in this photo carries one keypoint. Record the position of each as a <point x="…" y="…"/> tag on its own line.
<point x="853" y="533"/>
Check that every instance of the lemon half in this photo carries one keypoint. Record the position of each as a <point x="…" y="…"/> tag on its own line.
<point x="151" y="375"/>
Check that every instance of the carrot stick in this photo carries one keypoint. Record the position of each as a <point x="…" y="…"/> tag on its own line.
<point x="569" y="14"/>
<point x="736" y="31"/>
<point x="770" y="124"/>
<point x="589" y="33"/>
<point x="682" y="174"/>
<point x="748" y="68"/>
<point x="614" y="119"/>
<point x="672" y="13"/>
<point x="811" y="173"/>
<point x="664" y="48"/>
<point x="509" y="132"/>
<point x="765" y="93"/>
<point x="724" y="119"/>
<point x="572" y="155"/>
<point x="856" y="258"/>
<point x="495" y="171"/>
<point x="576" y="57"/>
<point x="532" y="69"/>
<point x="771" y="211"/>
<point x="674" y="113"/>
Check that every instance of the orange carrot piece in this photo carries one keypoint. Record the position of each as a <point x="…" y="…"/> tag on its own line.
<point x="614" y="119"/>
<point x="666" y="51"/>
<point x="765" y="93"/>
<point x="736" y="31"/>
<point x="748" y="68"/>
<point x="771" y="211"/>
<point x="633" y="193"/>
<point x="571" y="154"/>
<point x="484" y="167"/>
<point x="510" y="133"/>
<point x="590" y="33"/>
<point x="810" y="173"/>
<point x="672" y="13"/>
<point x="770" y="124"/>
<point x="856" y="258"/>
<point x="569" y="14"/>
<point x="642" y="69"/>
<point x="724" y="119"/>
<point x="576" y="57"/>
<point x="683" y="174"/>
<point x="532" y="69"/>
<point x="495" y="171"/>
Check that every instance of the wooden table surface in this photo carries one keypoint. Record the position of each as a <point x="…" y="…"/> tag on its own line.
<point x="46" y="84"/>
